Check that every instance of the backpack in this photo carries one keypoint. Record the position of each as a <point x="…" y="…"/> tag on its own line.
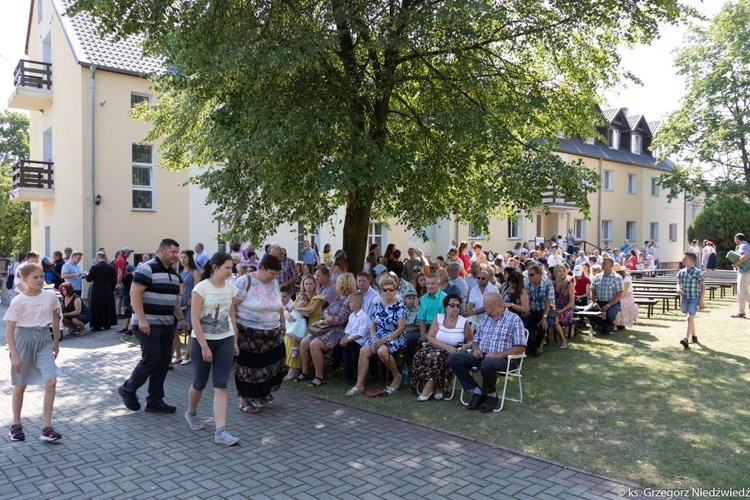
<point x="10" y="282"/>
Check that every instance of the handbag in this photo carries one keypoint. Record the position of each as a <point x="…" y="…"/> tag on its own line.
<point x="318" y="328"/>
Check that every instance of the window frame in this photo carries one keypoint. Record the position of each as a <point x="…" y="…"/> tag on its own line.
<point x="655" y="187"/>
<point x="614" y="138"/>
<point x="673" y="228"/>
<point x="636" y="144"/>
<point x="579" y="235"/>
<point x="517" y="224"/>
<point x="632" y="183"/>
<point x="652" y="236"/>
<point x="148" y="98"/>
<point x="152" y="179"/>
<point x="373" y="236"/>
<point x="608" y="174"/>
<point x="631" y="230"/>
<point x="608" y="236"/>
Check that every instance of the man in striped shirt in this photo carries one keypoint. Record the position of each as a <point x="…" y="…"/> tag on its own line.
<point x="155" y="298"/>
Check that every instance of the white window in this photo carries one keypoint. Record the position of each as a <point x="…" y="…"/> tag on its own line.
<point x="609" y="180"/>
<point x="136" y="98"/>
<point x="376" y="234"/>
<point x="514" y="228"/>
<point x="636" y="144"/>
<point x="673" y="232"/>
<point x="143" y="177"/>
<point x="607" y="230"/>
<point x="632" y="183"/>
<point x="655" y="188"/>
<point x="630" y="231"/>
<point x="579" y="229"/>
<point x="654" y="231"/>
<point x="613" y="136"/>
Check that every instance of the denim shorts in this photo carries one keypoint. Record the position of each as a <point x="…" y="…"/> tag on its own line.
<point x="689" y="306"/>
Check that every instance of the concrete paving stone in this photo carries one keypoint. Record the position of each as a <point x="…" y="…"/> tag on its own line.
<point x="584" y="479"/>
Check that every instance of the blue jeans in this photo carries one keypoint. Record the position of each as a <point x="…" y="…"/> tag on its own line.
<point x="606" y="324"/>
<point x="156" y="353"/>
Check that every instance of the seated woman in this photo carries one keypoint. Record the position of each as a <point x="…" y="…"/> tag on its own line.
<point x="628" y="313"/>
<point x="430" y="366"/>
<point x="386" y="337"/>
<point x="337" y="314"/>
<point x="75" y="313"/>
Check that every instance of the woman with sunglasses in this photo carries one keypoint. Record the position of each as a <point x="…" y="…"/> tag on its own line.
<point x="447" y="332"/>
<point x="386" y="337"/>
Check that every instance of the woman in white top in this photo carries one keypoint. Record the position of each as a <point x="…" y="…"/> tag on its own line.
<point x="430" y="366"/>
<point x="213" y="342"/>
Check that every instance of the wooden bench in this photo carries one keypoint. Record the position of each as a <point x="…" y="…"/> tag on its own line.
<point x="649" y="303"/>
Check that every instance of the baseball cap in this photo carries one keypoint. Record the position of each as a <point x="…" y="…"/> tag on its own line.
<point x="127" y="250"/>
<point x="379" y="269"/>
<point x="578" y="271"/>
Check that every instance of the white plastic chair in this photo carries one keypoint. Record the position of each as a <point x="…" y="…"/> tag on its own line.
<point x="510" y="371"/>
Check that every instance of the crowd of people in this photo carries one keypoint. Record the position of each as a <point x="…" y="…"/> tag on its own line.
<point x="267" y="318"/>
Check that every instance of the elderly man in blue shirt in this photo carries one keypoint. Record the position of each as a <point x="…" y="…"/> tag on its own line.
<point x="542" y="310"/>
<point x="498" y="335"/>
<point x="606" y="292"/>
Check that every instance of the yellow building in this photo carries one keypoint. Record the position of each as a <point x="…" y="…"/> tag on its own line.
<point x="629" y="204"/>
<point x="92" y="182"/>
<point x="90" y="179"/>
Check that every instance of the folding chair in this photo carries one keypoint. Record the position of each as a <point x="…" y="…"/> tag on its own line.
<point x="510" y="371"/>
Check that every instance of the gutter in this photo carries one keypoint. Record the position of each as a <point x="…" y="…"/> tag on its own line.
<point x="92" y="158"/>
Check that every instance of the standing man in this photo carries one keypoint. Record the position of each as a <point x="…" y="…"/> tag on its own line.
<point x="542" y="311"/>
<point x="606" y="292"/>
<point x="743" y="277"/>
<point x="691" y="287"/>
<point x="71" y="272"/>
<point x="288" y="274"/>
<point x="155" y="298"/>
<point x="498" y="335"/>
<point x="570" y="240"/>
<point x="200" y="257"/>
<point x="121" y="264"/>
<point x="309" y="255"/>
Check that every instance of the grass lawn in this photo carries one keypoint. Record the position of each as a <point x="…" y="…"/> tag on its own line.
<point x="634" y="405"/>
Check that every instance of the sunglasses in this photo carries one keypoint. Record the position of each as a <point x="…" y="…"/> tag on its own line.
<point x="532" y="274"/>
<point x="389" y="289"/>
<point x="482" y="279"/>
<point x="454" y="305"/>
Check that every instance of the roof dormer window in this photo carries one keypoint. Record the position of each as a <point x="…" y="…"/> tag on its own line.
<point x="613" y="137"/>
<point x="636" y="144"/>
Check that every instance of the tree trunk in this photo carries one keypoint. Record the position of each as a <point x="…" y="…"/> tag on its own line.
<point x="356" y="229"/>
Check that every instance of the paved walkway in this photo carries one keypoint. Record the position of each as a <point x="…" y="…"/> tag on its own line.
<point x="300" y="447"/>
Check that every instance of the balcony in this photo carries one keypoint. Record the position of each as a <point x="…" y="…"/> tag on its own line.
<point x="33" y="181"/>
<point x="553" y="199"/>
<point x="33" y="86"/>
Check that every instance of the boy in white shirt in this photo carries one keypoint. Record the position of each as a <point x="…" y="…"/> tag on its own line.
<point x="357" y="331"/>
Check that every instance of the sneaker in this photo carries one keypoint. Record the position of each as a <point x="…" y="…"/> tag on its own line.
<point x="295" y="352"/>
<point x="129" y="398"/>
<point x="160" y="407"/>
<point x="176" y="361"/>
<point x="222" y="436"/>
<point x="16" y="433"/>
<point x="684" y="343"/>
<point x="185" y="362"/>
<point x="49" y="434"/>
<point x="193" y="421"/>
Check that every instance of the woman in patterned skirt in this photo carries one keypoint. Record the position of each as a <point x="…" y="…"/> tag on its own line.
<point x="430" y="366"/>
<point x="259" y="367"/>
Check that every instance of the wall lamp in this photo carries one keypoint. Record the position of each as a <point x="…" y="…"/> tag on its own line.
<point x="98" y="200"/>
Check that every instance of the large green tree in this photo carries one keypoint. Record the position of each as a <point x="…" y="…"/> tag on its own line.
<point x="15" y="235"/>
<point x="405" y="109"/>
<point x="709" y="135"/>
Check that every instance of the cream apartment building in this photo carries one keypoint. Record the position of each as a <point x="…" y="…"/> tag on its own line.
<point x="92" y="181"/>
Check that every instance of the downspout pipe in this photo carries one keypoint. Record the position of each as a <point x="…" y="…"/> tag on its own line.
<point x="599" y="208"/>
<point x="92" y="158"/>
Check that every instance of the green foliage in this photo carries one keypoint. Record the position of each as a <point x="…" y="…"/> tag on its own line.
<point x="15" y="230"/>
<point x="405" y="109"/>
<point x="710" y="133"/>
<point x="719" y="222"/>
